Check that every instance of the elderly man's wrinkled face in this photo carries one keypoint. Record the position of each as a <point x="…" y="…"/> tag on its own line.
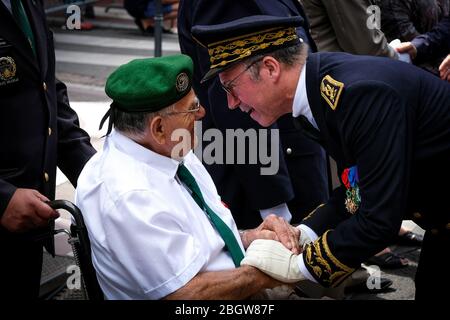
<point x="180" y="125"/>
<point x="254" y="97"/>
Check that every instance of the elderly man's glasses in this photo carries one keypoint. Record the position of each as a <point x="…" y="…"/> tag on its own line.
<point x="195" y="106"/>
<point x="228" y="87"/>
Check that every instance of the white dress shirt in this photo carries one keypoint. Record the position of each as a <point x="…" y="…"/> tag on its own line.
<point x="301" y="107"/>
<point x="301" y="264"/>
<point x="301" y="103"/>
<point x="148" y="236"/>
<point x="281" y="210"/>
<point x="7" y="3"/>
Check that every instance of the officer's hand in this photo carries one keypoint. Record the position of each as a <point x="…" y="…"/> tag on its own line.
<point x="274" y="228"/>
<point x="444" y="69"/>
<point x="407" y="47"/>
<point x="27" y="210"/>
<point x="272" y="258"/>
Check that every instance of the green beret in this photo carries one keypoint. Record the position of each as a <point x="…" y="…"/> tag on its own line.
<point x="149" y="85"/>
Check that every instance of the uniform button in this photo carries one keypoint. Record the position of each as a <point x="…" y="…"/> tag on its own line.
<point x="417" y="215"/>
<point x="49" y="131"/>
<point x="44" y="85"/>
<point x="46" y="178"/>
<point x="434" y="231"/>
<point x="289" y="151"/>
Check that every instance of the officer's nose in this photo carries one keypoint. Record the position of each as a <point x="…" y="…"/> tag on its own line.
<point x="233" y="102"/>
<point x="200" y="113"/>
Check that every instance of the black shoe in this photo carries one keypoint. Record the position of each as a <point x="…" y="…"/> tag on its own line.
<point x="168" y="31"/>
<point x="388" y="260"/>
<point x="410" y="239"/>
<point x="150" y="31"/>
<point x="139" y="24"/>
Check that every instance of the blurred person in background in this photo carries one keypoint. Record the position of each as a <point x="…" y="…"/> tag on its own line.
<point x="144" y="13"/>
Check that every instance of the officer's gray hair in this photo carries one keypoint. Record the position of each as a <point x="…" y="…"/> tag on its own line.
<point x="290" y="56"/>
<point x="134" y="124"/>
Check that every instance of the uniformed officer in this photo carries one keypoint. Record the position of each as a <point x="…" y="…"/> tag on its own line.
<point x="38" y="131"/>
<point x="301" y="182"/>
<point x="387" y="125"/>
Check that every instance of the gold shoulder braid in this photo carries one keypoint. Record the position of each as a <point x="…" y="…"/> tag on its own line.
<point x="323" y="265"/>
<point x="312" y="212"/>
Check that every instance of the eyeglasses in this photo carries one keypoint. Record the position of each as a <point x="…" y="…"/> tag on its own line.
<point x="228" y="88"/>
<point x="195" y="106"/>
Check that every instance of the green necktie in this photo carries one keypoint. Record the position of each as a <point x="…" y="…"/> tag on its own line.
<point x="224" y="231"/>
<point x="21" y="18"/>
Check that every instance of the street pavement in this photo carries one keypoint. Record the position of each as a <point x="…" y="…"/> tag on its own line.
<point x="84" y="59"/>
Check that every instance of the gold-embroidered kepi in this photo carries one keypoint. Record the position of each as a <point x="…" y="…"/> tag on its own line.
<point x="231" y="42"/>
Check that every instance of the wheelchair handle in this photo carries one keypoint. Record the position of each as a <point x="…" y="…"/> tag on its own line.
<point x="71" y="208"/>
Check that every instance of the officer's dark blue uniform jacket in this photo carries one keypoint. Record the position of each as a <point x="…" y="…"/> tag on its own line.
<point x="433" y="44"/>
<point x="302" y="171"/>
<point x="391" y="120"/>
<point x="38" y="129"/>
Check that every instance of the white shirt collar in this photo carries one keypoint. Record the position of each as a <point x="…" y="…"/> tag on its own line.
<point x="301" y="103"/>
<point x="165" y="164"/>
<point x="7" y="4"/>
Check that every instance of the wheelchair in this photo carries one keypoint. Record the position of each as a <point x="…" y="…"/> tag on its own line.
<point x="79" y="240"/>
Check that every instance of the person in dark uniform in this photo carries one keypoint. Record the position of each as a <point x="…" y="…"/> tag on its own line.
<point x="387" y="125"/>
<point x="301" y="183"/>
<point x="431" y="45"/>
<point x="38" y="131"/>
<point x="144" y="13"/>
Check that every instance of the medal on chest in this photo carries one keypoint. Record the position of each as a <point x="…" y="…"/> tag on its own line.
<point x="350" y="180"/>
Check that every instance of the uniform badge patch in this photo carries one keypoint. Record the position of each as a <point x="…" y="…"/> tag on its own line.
<point x="331" y="91"/>
<point x="182" y="82"/>
<point x="8" y="71"/>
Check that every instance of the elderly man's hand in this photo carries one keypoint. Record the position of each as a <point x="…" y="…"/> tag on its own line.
<point x="444" y="69"/>
<point x="274" y="228"/>
<point x="272" y="258"/>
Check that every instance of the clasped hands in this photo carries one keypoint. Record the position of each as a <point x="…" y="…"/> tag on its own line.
<point x="274" y="248"/>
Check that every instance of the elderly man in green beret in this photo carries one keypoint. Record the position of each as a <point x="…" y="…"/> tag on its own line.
<point x="156" y="223"/>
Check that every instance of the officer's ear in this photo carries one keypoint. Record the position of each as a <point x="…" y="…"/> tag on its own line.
<point x="271" y="67"/>
<point x="157" y="129"/>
